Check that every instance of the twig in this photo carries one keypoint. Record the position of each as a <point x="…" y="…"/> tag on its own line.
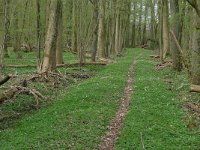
<point x="142" y="141"/>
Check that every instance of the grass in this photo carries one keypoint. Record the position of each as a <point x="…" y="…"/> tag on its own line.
<point x="77" y="118"/>
<point x="155" y="117"/>
<point x="29" y="59"/>
<point x="10" y="112"/>
<point x="80" y="113"/>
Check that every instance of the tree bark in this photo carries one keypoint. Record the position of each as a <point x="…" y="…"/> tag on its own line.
<point x="165" y="14"/>
<point x="176" y="25"/>
<point x="74" y="28"/>
<point x="196" y="45"/>
<point x="49" y="61"/>
<point x="59" y="44"/>
<point x="6" y="28"/>
<point x="95" y="30"/>
<point x="101" y="30"/>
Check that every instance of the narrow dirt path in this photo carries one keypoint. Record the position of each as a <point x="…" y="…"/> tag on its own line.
<point x="112" y="134"/>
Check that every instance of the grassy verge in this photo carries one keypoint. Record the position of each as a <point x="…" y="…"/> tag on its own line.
<point x="77" y="118"/>
<point x="155" y="119"/>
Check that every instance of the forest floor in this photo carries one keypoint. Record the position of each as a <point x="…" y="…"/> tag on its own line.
<point x="145" y="109"/>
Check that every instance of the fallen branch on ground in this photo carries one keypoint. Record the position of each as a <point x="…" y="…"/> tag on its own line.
<point x="4" y="80"/>
<point x="60" y="65"/>
<point x="195" y="88"/>
<point x="16" y="90"/>
<point x="82" y="64"/>
<point x="154" y="56"/>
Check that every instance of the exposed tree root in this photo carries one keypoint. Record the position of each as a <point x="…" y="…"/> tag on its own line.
<point x="25" y="90"/>
<point x="14" y="91"/>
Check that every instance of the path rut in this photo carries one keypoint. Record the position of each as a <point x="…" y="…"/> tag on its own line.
<point x="111" y="135"/>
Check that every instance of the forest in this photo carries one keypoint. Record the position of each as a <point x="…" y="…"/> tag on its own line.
<point x="100" y="74"/>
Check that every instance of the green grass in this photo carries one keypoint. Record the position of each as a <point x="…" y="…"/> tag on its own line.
<point x="79" y="115"/>
<point x="29" y="59"/>
<point x="10" y="112"/>
<point x="155" y="115"/>
<point x="77" y="118"/>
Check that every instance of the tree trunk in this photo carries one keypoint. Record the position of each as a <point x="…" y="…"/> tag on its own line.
<point x="176" y="56"/>
<point x="59" y="44"/>
<point x="165" y="14"/>
<point x="196" y="55"/>
<point x="153" y="26"/>
<point x="160" y="30"/>
<point x="74" y="28"/>
<point x="144" y="35"/>
<point x="95" y="30"/>
<point x="196" y="49"/>
<point x="133" y="37"/>
<point x="38" y="34"/>
<point x="6" y="28"/>
<point x="49" y="61"/>
<point x="117" y="19"/>
<point x="101" y="30"/>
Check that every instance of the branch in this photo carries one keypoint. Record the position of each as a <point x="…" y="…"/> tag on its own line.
<point x="176" y="41"/>
<point x="194" y="4"/>
<point x="59" y="66"/>
<point x="191" y="2"/>
<point x="184" y="60"/>
<point x="4" y="80"/>
<point x="195" y="88"/>
<point x="91" y="2"/>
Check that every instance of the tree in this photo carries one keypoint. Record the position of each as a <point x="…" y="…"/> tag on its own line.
<point x="49" y="60"/>
<point x="59" y="44"/>
<point x="101" y="30"/>
<point x="165" y="28"/>
<point x="6" y="28"/>
<point x="176" y="26"/>
<point x="196" y="46"/>
<point x="95" y="29"/>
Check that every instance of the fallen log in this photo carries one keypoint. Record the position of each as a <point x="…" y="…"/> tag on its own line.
<point x="20" y="66"/>
<point x="82" y="64"/>
<point x="60" y="65"/>
<point x="4" y="80"/>
<point x="195" y="88"/>
<point x="154" y="56"/>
